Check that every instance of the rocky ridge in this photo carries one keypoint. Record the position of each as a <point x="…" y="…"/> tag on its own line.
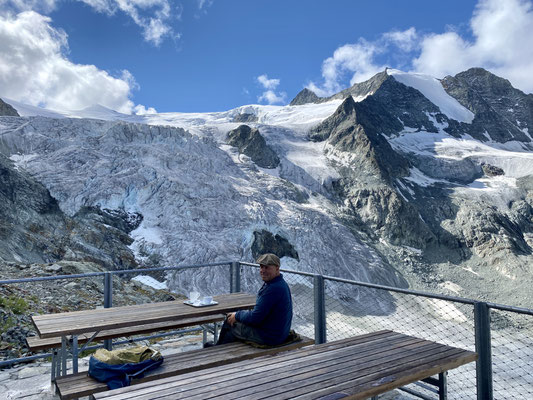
<point x="448" y="227"/>
<point x="396" y="208"/>
<point x="34" y="229"/>
<point x="502" y="113"/>
<point x="7" y="109"/>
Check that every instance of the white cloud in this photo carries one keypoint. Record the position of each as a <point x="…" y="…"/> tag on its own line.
<point x="272" y="98"/>
<point x="44" y="6"/>
<point x="154" y="17"/>
<point x="142" y="110"/>
<point x="269" y="95"/>
<point x="204" y="3"/>
<point x="34" y="69"/>
<point x="405" y="40"/>
<point x="356" y="60"/>
<point x="268" y="83"/>
<point x="501" y="42"/>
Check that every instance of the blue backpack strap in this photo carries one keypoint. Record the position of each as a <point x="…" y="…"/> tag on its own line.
<point x="140" y="373"/>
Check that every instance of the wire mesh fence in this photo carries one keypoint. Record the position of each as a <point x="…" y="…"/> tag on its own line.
<point x="354" y="310"/>
<point x="303" y="303"/>
<point x="350" y="309"/>
<point x="512" y="355"/>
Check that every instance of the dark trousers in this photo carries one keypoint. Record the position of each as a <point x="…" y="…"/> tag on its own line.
<point x="238" y="331"/>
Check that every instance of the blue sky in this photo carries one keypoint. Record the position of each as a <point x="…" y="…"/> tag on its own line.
<point x="140" y="56"/>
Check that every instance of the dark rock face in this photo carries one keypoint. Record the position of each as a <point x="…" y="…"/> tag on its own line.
<point x="360" y="89"/>
<point x="245" y="117"/>
<point x="404" y="104"/>
<point x="378" y="194"/>
<point x="380" y="211"/>
<point x="7" y="109"/>
<point x="462" y="171"/>
<point x="491" y="170"/>
<point x="119" y="219"/>
<point x="353" y="128"/>
<point x="251" y="143"/>
<point x="365" y="88"/>
<point x="266" y="242"/>
<point x="34" y="229"/>
<point x="102" y="236"/>
<point x="304" y="97"/>
<point x="501" y="111"/>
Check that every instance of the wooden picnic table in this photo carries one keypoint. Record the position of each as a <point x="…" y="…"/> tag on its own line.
<point x="353" y="368"/>
<point x="71" y="324"/>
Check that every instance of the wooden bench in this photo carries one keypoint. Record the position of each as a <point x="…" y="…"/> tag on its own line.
<point x="81" y="384"/>
<point x="36" y="344"/>
<point x="354" y="368"/>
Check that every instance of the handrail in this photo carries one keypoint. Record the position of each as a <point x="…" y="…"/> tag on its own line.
<point x="481" y="309"/>
<point x="464" y="300"/>
<point x="114" y="272"/>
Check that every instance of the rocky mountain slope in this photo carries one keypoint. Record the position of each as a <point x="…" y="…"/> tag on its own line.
<point x="34" y="229"/>
<point x="399" y="180"/>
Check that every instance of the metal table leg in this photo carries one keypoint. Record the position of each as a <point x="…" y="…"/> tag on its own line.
<point x="443" y="385"/>
<point x="215" y="332"/>
<point x="74" y="354"/>
<point x="63" y="355"/>
<point x="54" y="366"/>
<point x="204" y="334"/>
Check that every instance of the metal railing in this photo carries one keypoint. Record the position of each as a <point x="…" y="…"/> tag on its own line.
<point x="327" y="307"/>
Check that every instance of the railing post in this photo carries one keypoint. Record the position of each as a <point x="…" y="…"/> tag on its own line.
<point x="235" y="277"/>
<point x="320" y="309"/>
<point x="108" y="302"/>
<point x="483" y="349"/>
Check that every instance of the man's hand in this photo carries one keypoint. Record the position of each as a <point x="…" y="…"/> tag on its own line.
<point x="231" y="318"/>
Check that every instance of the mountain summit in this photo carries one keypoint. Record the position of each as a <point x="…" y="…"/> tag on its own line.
<point x="403" y="180"/>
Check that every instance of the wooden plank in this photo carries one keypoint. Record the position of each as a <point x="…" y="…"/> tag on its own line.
<point x="317" y="376"/>
<point x="119" y="314"/>
<point x="161" y="308"/>
<point x="35" y="343"/>
<point x="347" y="379"/>
<point x="236" y="299"/>
<point x="383" y="335"/>
<point x="76" y="322"/>
<point x="306" y="374"/>
<point x="302" y="358"/>
<point x="323" y="347"/>
<point x="394" y="377"/>
<point x="302" y="373"/>
<point x="418" y="373"/>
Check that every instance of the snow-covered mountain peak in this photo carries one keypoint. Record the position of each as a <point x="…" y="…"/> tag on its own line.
<point x="432" y="89"/>
<point x="349" y="187"/>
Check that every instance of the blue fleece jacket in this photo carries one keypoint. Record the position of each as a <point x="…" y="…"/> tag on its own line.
<point x="272" y="314"/>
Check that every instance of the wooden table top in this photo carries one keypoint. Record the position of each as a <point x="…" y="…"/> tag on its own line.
<point x="356" y="368"/>
<point x="76" y="322"/>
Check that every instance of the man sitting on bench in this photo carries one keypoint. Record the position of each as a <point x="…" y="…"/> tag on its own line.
<point x="269" y="322"/>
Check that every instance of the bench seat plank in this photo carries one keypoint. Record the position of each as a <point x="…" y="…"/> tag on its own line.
<point x="35" y="343"/>
<point x="359" y="368"/>
<point x="79" y="385"/>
